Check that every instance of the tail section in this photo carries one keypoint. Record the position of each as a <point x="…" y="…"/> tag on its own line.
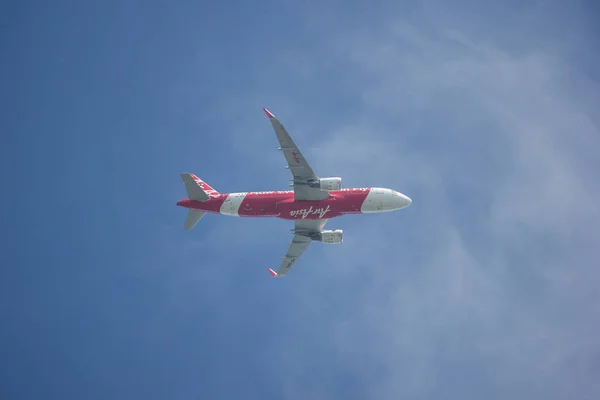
<point x="205" y="186"/>
<point x="197" y="189"/>
<point x="194" y="216"/>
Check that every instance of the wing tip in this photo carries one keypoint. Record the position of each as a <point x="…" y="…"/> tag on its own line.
<point x="269" y="113"/>
<point x="273" y="273"/>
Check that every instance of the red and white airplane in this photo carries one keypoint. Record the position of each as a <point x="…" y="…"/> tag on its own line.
<point x="310" y="205"/>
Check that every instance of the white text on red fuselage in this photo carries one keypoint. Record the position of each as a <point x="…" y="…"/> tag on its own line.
<point x="305" y="212"/>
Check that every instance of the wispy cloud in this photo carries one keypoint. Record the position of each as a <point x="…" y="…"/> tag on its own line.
<point x="486" y="286"/>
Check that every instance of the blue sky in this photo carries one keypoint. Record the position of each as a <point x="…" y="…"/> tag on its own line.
<point x="484" y="113"/>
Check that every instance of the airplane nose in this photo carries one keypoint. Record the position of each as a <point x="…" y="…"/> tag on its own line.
<point x="402" y="200"/>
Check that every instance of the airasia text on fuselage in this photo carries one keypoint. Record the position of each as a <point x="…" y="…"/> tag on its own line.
<point x="305" y="212"/>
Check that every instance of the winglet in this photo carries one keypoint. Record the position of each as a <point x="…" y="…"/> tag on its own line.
<point x="269" y="114"/>
<point x="273" y="273"/>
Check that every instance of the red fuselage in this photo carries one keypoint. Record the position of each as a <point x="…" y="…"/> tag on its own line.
<point x="281" y="204"/>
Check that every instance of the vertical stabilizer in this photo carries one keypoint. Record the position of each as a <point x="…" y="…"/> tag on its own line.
<point x="194" y="190"/>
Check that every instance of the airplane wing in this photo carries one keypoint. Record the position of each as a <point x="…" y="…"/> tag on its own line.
<point x="303" y="229"/>
<point x="297" y="164"/>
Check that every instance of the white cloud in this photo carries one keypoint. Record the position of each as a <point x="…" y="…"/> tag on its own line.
<point x="492" y="271"/>
<point x="486" y="285"/>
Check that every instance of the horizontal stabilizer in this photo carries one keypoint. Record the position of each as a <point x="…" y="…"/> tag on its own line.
<point x="192" y="218"/>
<point x="194" y="190"/>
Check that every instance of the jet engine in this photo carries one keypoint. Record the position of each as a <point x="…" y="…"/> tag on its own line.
<point x="331" y="237"/>
<point x="326" y="183"/>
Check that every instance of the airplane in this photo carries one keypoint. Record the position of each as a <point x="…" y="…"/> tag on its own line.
<point x="310" y="205"/>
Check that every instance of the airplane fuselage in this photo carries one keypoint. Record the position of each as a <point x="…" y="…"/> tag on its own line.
<point x="281" y="204"/>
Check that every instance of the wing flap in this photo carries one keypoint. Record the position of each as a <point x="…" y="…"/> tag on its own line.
<point x="304" y="192"/>
<point x="297" y="247"/>
<point x="299" y="244"/>
<point x="296" y="163"/>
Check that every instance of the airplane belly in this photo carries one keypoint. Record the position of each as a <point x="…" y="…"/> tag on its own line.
<point x="255" y="206"/>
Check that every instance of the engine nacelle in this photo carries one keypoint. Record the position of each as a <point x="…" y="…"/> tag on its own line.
<point x="326" y="183"/>
<point x="332" y="237"/>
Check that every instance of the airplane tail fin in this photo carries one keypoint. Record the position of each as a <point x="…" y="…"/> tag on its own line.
<point x="197" y="189"/>
<point x="193" y="217"/>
